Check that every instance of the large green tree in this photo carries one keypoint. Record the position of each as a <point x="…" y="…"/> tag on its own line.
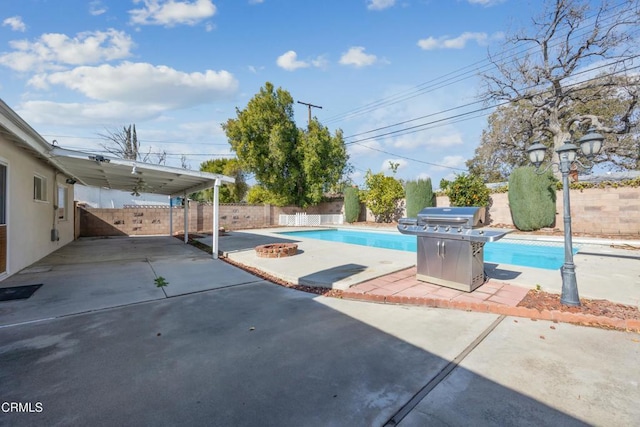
<point x="229" y="193"/>
<point x="551" y="74"/>
<point x="295" y="165"/>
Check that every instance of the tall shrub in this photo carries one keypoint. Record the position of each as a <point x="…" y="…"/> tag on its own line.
<point x="419" y="195"/>
<point x="383" y="196"/>
<point x="466" y="190"/>
<point x="532" y="199"/>
<point x="351" y="204"/>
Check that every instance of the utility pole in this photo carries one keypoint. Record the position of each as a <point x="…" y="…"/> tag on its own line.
<point x="309" y="105"/>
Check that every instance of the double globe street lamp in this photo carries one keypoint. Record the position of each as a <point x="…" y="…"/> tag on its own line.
<point x="590" y="145"/>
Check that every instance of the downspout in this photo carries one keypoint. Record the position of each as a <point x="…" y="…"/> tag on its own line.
<point x="186" y="218"/>
<point x="54" y="231"/>
<point x="170" y="216"/>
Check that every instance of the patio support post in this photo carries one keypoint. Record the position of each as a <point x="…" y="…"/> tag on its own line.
<point x="186" y="218"/>
<point x="216" y="220"/>
<point x="170" y="216"/>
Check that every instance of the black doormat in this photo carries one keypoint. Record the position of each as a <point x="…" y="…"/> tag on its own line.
<point x="18" y="292"/>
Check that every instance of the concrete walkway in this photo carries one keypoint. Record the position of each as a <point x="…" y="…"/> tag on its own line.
<point x="99" y="344"/>
<point x="97" y="273"/>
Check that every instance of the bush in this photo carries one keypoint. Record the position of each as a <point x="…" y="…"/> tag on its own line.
<point x="466" y="190"/>
<point x="351" y="204"/>
<point x="419" y="196"/>
<point x="532" y="199"/>
<point x="383" y="196"/>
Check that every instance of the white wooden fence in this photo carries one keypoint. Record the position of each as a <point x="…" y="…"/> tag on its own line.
<point x="302" y="219"/>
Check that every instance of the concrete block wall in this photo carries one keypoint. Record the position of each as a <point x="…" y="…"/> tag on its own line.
<point x="607" y="211"/>
<point x="593" y="210"/>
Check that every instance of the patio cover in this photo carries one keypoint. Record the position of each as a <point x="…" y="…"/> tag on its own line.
<point x="130" y="175"/>
<point x="109" y="172"/>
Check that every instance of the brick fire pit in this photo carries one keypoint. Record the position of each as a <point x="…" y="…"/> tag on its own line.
<point x="276" y="250"/>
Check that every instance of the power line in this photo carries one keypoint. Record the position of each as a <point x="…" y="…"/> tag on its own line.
<point x="141" y="140"/>
<point x="450" y="120"/>
<point x="455" y="76"/>
<point x="423" y="125"/>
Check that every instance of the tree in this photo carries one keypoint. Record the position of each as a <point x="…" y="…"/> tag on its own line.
<point x="502" y="146"/>
<point x="549" y="82"/>
<point x="124" y="144"/>
<point x="466" y="190"/>
<point x="419" y="195"/>
<point x="351" y="204"/>
<point x="512" y="129"/>
<point x="532" y="198"/>
<point x="382" y="196"/>
<point x="296" y="165"/>
<point x="229" y="193"/>
<point x="258" y="195"/>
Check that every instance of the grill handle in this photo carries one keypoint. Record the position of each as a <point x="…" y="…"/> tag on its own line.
<point x="440" y="246"/>
<point x="431" y="220"/>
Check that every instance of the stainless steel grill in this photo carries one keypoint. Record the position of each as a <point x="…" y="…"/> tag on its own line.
<point x="451" y="245"/>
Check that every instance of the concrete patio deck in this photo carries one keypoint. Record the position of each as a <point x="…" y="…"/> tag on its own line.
<point x="388" y="276"/>
<point x="100" y="344"/>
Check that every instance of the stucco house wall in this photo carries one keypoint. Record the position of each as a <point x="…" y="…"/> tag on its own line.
<point x="29" y="221"/>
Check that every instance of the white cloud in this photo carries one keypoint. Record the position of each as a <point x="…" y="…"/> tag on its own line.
<point x="96" y="8"/>
<point x="364" y="149"/>
<point x="15" y="22"/>
<point x="206" y="129"/>
<point x="171" y="12"/>
<point x="356" y="175"/>
<point x="289" y="61"/>
<point x="431" y="43"/>
<point x="450" y="162"/>
<point x="256" y="1"/>
<point x="254" y="69"/>
<point x="356" y="57"/>
<point x="436" y="138"/>
<point x="157" y="87"/>
<point x="423" y="175"/>
<point x="486" y="3"/>
<point x="84" y="114"/>
<point x="52" y="51"/>
<point x="320" y="62"/>
<point x="386" y="164"/>
<point x="380" y="4"/>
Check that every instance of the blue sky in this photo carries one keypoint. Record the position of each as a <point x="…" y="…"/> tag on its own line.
<point x="178" y="69"/>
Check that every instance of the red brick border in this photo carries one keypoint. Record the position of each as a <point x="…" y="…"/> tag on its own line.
<point x="631" y="325"/>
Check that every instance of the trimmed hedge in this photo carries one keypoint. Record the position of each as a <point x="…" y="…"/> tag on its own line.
<point x="532" y="199"/>
<point x="419" y="195"/>
<point x="351" y="204"/>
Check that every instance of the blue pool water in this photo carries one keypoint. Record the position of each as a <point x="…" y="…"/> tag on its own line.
<point x="547" y="256"/>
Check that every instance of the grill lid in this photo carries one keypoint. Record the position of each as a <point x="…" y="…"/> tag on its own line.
<point x="466" y="217"/>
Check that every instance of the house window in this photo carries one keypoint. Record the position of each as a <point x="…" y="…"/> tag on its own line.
<point x="39" y="188"/>
<point x="62" y="202"/>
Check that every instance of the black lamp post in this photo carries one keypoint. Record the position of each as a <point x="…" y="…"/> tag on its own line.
<point x="590" y="145"/>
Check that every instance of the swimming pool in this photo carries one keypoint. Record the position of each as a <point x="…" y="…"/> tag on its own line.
<point x="549" y="256"/>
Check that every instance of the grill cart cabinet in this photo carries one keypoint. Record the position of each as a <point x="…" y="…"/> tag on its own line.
<point x="452" y="263"/>
<point x="450" y="245"/>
